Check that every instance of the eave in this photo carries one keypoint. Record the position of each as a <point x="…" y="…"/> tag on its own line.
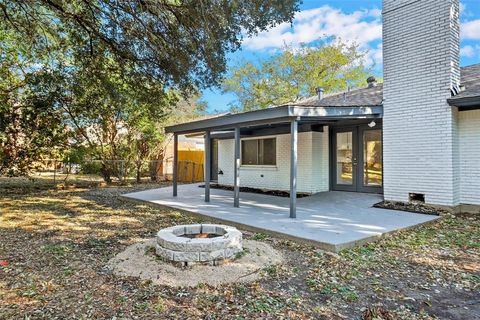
<point x="281" y="114"/>
<point x="464" y="104"/>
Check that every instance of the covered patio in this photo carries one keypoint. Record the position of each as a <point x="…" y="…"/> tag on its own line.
<point x="332" y="220"/>
<point x="288" y="119"/>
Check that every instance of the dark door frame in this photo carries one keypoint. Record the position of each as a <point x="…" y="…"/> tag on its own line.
<point x="357" y="152"/>
<point x="333" y="155"/>
<point x="214" y="162"/>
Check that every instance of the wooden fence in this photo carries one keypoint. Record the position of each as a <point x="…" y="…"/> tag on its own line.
<point x="190" y="166"/>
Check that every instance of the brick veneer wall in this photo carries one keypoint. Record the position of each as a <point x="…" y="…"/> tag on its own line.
<point x="421" y="64"/>
<point x="312" y="175"/>
<point x="469" y="140"/>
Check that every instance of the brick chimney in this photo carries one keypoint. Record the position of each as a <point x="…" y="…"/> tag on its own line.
<point x="421" y="47"/>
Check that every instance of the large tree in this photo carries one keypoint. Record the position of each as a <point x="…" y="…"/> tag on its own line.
<point x="30" y="127"/>
<point x="106" y="104"/>
<point x="295" y="73"/>
<point x="180" y="43"/>
<point x="96" y="69"/>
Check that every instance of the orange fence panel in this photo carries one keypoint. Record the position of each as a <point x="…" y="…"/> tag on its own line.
<point x="190" y="165"/>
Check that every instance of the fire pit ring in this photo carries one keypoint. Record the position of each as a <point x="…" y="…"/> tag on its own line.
<point x="199" y="243"/>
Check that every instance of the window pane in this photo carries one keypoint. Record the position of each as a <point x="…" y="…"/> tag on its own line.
<point x="259" y="152"/>
<point x="249" y="151"/>
<point x="268" y="152"/>
<point x="344" y="158"/>
<point x="372" y="158"/>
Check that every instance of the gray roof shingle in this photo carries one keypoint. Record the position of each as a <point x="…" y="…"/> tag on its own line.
<point x="471" y="81"/>
<point x="362" y="97"/>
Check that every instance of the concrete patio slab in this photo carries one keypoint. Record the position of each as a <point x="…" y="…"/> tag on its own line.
<point x="333" y="220"/>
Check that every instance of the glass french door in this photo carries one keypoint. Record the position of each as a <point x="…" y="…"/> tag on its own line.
<point x="357" y="159"/>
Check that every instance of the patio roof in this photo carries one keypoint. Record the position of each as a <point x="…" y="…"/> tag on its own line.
<point x="282" y="114"/>
<point x="297" y="118"/>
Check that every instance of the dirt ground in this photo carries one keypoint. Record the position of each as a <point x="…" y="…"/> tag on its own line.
<point x="55" y="244"/>
<point x="139" y="260"/>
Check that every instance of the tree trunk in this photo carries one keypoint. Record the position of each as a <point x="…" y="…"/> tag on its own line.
<point x="106" y="173"/>
<point x="138" y="172"/>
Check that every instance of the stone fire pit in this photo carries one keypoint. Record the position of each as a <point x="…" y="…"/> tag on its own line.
<point x="199" y="243"/>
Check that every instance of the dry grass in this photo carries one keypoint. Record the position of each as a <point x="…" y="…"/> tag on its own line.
<point x="57" y="241"/>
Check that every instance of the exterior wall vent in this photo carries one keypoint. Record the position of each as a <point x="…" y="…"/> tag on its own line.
<point x="416" y="197"/>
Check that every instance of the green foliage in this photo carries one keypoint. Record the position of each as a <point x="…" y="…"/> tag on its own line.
<point x="178" y="43"/>
<point x="91" y="167"/>
<point x="267" y="304"/>
<point x="294" y="74"/>
<point x="30" y="127"/>
<point x="106" y="76"/>
<point x="259" y="236"/>
<point x="58" y="250"/>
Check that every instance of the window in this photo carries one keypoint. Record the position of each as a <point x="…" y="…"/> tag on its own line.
<point x="259" y="152"/>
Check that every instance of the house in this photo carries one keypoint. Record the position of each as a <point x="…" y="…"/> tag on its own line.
<point x="414" y="137"/>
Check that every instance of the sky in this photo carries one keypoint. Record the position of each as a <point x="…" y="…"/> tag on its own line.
<point x="356" y="21"/>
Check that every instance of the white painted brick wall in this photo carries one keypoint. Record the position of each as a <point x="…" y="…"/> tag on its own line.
<point x="312" y="165"/>
<point x="421" y="63"/>
<point x="320" y="161"/>
<point x="469" y="140"/>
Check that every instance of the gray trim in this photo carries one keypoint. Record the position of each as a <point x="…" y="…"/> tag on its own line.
<point x="272" y="130"/>
<point x="230" y="120"/>
<point x="175" y="163"/>
<point x="236" y="171"/>
<point x="333" y="167"/>
<point x="476" y="107"/>
<point x="244" y="138"/>
<point x="464" y="102"/>
<point x="357" y="152"/>
<point x="214" y="159"/>
<point x="208" y="165"/>
<point x="283" y="114"/>
<point x="335" y="112"/>
<point x="361" y="187"/>
<point x="293" y="167"/>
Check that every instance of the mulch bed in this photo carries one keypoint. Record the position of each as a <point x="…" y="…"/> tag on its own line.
<point x="277" y="193"/>
<point x="415" y="207"/>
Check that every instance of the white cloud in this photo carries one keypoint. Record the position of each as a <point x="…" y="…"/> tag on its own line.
<point x="374" y="56"/>
<point x="361" y="27"/>
<point x="467" y="51"/>
<point x="377" y="13"/>
<point x="470" y="30"/>
<point x="463" y="7"/>
<point x="364" y="27"/>
<point x="470" y="51"/>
